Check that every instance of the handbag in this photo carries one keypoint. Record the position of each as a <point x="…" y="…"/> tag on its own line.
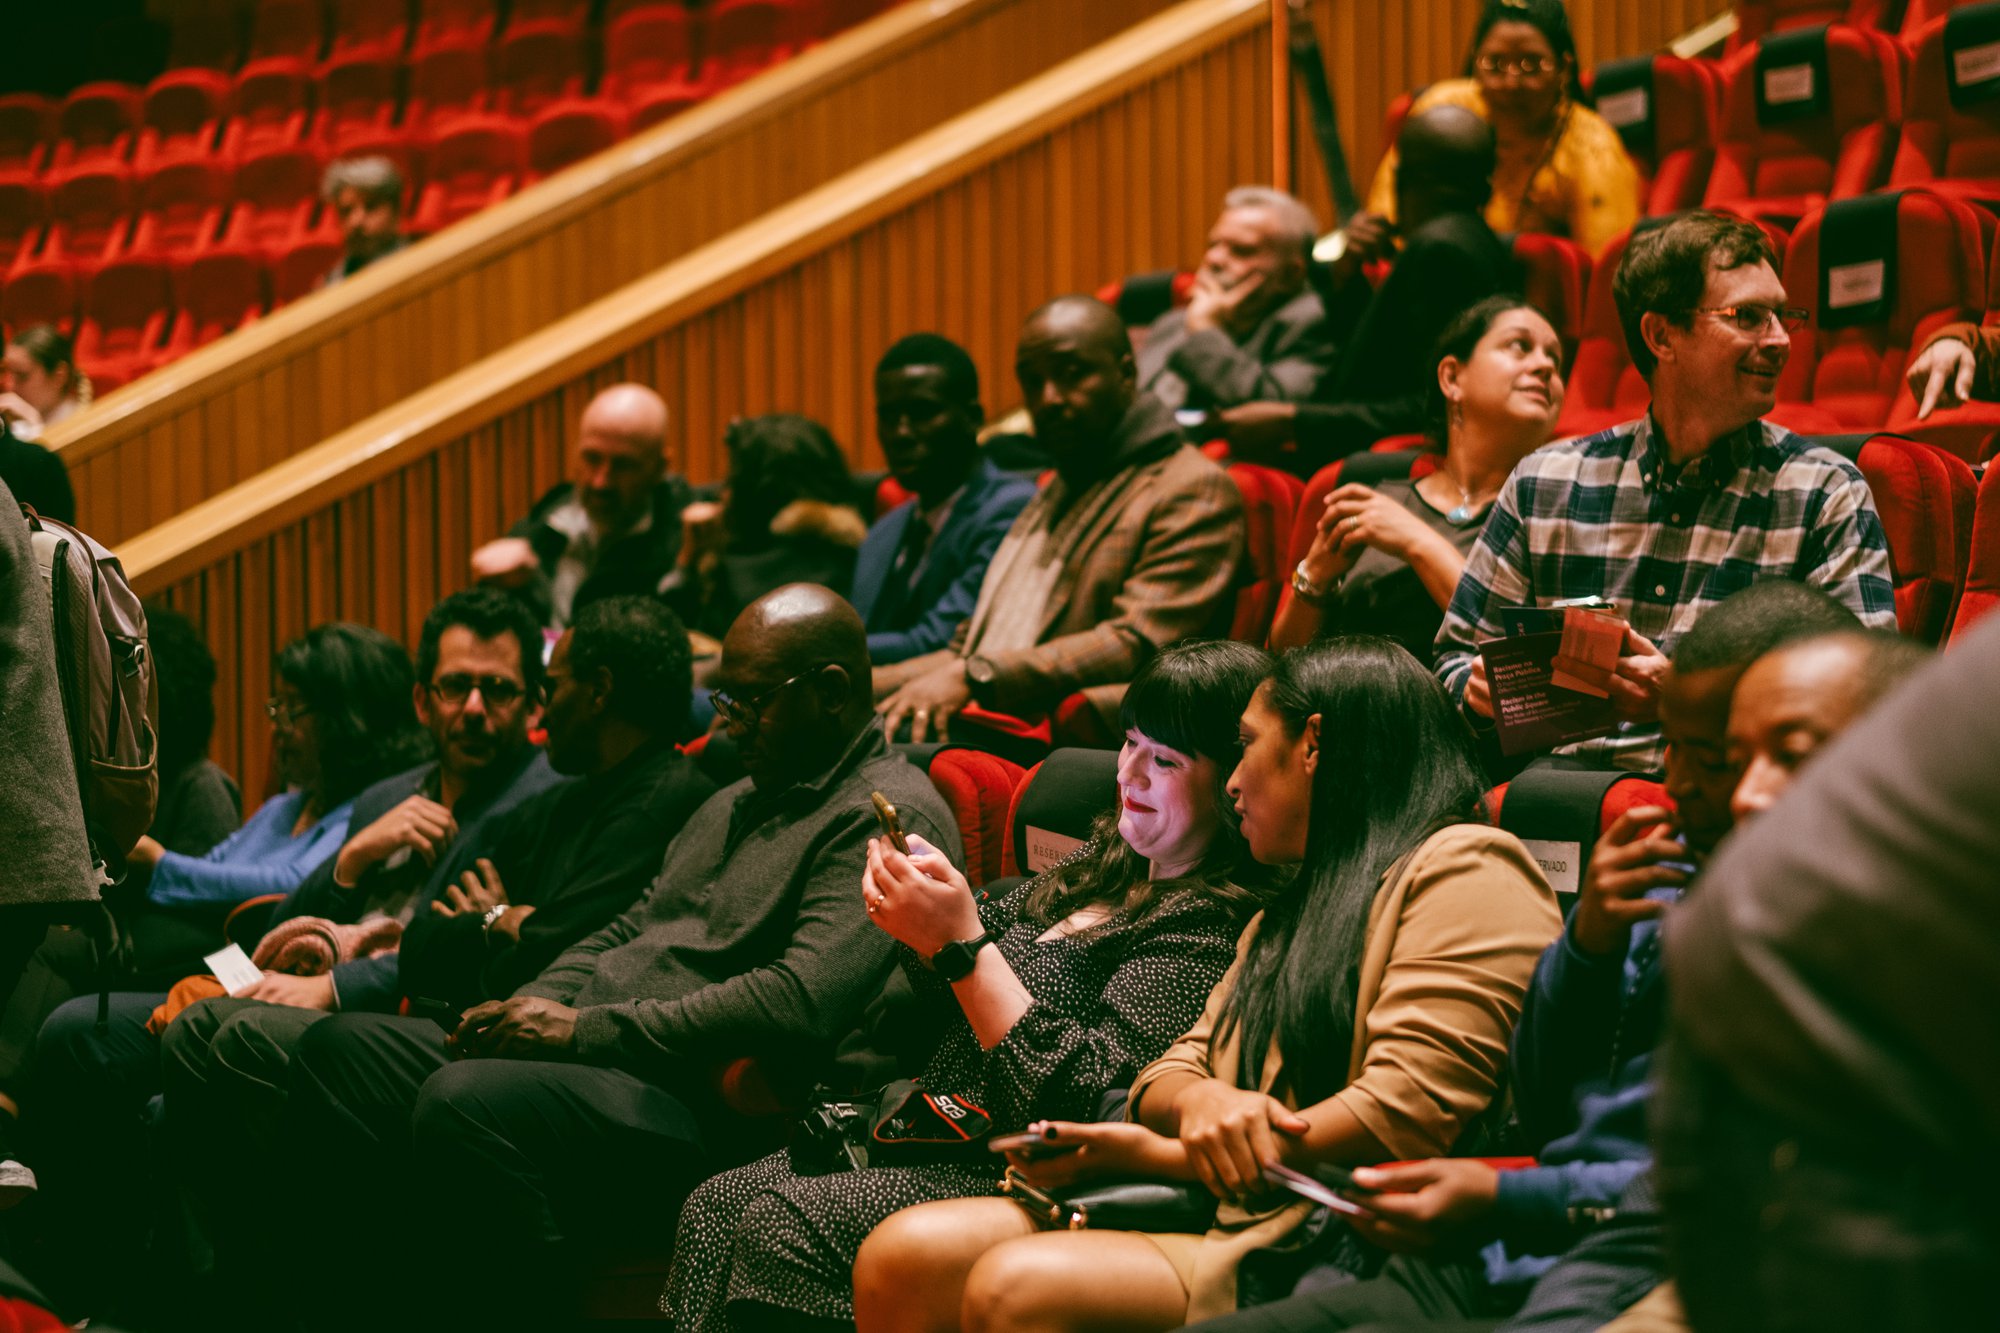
<point x="901" y="1124"/>
<point x="1116" y="1205"/>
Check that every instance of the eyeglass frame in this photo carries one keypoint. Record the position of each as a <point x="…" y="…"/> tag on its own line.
<point x="1791" y="318"/>
<point x="286" y="715"/>
<point x="439" y="690"/>
<point x="749" y="713"/>
<point x="1501" y="66"/>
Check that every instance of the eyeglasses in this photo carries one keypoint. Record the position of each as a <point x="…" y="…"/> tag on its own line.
<point x="284" y="713"/>
<point x="745" y="712"/>
<point x="1528" y="67"/>
<point x="497" y="691"/>
<point x="1757" y="318"/>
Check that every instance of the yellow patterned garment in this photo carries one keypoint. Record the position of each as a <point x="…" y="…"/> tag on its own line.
<point x="1586" y="188"/>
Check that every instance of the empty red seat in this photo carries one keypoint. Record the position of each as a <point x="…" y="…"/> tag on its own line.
<point x="662" y="102"/>
<point x="1921" y="12"/>
<point x="745" y="36"/>
<point x="357" y="98"/>
<point x="1925" y="498"/>
<point x="1664" y="108"/>
<point x="566" y="12"/>
<point x="24" y="210"/>
<point x="303" y="267"/>
<point x="97" y="122"/>
<point x="1879" y="276"/>
<point x="475" y="162"/>
<point x="27" y="127"/>
<point x="277" y="191"/>
<point x="452" y="22"/>
<point x="39" y="292"/>
<point x="182" y="116"/>
<point x="181" y="207"/>
<point x="570" y="131"/>
<point x="1755" y="18"/>
<point x="205" y="36"/>
<point x="374" y="27"/>
<point x="1951" y="134"/>
<point x="270" y="107"/>
<point x="221" y="290"/>
<point x="1270" y="505"/>
<point x="447" y="81"/>
<point x="295" y="28"/>
<point x="645" y="48"/>
<point x="126" y="311"/>
<point x="1555" y="277"/>
<point x="979" y="790"/>
<point x="1980" y="592"/>
<point x="1604" y="387"/>
<point x="538" y="63"/>
<point x="1807" y="116"/>
<point x="89" y="215"/>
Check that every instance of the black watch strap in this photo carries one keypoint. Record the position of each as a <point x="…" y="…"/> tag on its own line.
<point x="956" y="960"/>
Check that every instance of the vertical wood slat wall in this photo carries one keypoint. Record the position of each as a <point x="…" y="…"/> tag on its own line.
<point x="304" y="373"/>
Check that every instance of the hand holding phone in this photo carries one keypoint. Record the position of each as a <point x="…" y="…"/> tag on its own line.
<point x="892" y="827"/>
<point x="1032" y="1147"/>
<point x="1333" y="1185"/>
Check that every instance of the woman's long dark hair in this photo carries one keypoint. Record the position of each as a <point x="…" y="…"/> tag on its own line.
<point x="1548" y="17"/>
<point x="187" y="688"/>
<point x="357" y="683"/>
<point x="1396" y="764"/>
<point x="1188" y="698"/>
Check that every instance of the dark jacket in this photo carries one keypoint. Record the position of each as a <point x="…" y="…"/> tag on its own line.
<point x="579" y="853"/>
<point x="371" y="985"/>
<point x="199" y="807"/>
<point x="752" y="939"/>
<point x="37" y="477"/>
<point x="923" y="619"/>
<point x="810" y="541"/>
<point x="636" y="563"/>
<point x="1383" y="380"/>
<point x="1284" y="358"/>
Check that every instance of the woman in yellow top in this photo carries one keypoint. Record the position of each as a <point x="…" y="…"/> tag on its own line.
<point x="1562" y="168"/>
<point x="1366" y="1019"/>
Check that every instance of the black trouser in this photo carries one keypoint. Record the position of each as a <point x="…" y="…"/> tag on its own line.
<point x="516" y="1171"/>
<point x="1774" y="1230"/>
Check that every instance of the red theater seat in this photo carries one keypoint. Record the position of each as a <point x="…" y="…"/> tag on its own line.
<point x="1965" y="429"/>
<point x="295" y="28"/>
<point x="567" y="12"/>
<point x="182" y="117"/>
<point x="1665" y="109"/>
<point x="979" y="789"/>
<point x="205" y="37"/>
<point x="222" y="290"/>
<point x="1270" y="504"/>
<point x="90" y="212"/>
<point x="446" y="22"/>
<point x="1921" y="12"/>
<point x="126" y="312"/>
<point x="277" y="192"/>
<point x="272" y="101"/>
<point x="447" y="81"/>
<point x="181" y="207"/>
<point x="1951" y="136"/>
<point x="1555" y="277"/>
<point x="1754" y="18"/>
<point x="1848" y="362"/>
<point x="1054" y="806"/>
<point x="303" y="266"/>
<point x="539" y="63"/>
<point x="476" y="162"/>
<point x="568" y="132"/>
<point x="1981" y="591"/>
<point x="1818" y="138"/>
<point x="1559" y="815"/>
<point x="27" y="127"/>
<point x="37" y="292"/>
<point x="24" y="210"/>
<point x="357" y="99"/>
<point x="647" y="49"/>
<point x="376" y="27"/>
<point x="745" y="36"/>
<point x="96" y="124"/>
<point x="1368" y="469"/>
<point x="1926" y="498"/>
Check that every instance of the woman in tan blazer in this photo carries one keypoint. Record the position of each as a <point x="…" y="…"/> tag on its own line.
<point x="1366" y="1018"/>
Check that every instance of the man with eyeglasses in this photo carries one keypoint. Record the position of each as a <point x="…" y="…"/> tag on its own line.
<point x="1668" y="515"/>
<point x="575" y="1115"/>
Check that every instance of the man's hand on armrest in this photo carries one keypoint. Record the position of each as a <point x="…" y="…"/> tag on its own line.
<point x="1941" y="376"/>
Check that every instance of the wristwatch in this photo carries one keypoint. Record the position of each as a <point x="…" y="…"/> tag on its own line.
<point x="979" y="674"/>
<point x="956" y="960"/>
<point x="493" y="913"/>
<point x="1308" y="591"/>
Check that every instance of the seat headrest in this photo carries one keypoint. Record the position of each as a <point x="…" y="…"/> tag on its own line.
<point x="1623" y="90"/>
<point x="1857" y="261"/>
<point x="1972" y="54"/>
<point x="1791" y="76"/>
<point x="1559" y="813"/>
<point x="1053" y="813"/>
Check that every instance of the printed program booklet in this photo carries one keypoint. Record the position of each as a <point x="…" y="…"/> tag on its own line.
<point x="1549" y="675"/>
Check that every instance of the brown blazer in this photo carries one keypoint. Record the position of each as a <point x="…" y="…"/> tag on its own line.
<point x="1453" y="938"/>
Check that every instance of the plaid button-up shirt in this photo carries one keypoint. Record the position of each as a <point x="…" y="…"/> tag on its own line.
<point x="1611" y="515"/>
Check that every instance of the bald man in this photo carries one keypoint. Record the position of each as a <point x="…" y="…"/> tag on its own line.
<point x="1135" y="544"/>
<point x="582" y="1109"/>
<point x="1445" y="259"/>
<point x="614" y="528"/>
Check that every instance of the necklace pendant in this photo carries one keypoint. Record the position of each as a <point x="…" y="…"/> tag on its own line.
<point x="1462" y="515"/>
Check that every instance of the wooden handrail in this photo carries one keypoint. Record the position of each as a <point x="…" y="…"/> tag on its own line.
<point x="310" y="369"/>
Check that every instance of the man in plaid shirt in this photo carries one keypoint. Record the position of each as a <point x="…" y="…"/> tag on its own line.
<point x="1668" y="515"/>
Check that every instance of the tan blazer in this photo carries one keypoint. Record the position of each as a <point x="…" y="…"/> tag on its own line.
<point x="1453" y="938"/>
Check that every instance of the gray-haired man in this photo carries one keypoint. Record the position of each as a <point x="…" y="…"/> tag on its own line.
<point x="366" y="196"/>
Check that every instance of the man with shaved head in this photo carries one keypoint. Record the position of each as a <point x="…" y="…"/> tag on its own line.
<point x="1135" y="544"/>
<point x="577" y="1113"/>
<point x="612" y="529"/>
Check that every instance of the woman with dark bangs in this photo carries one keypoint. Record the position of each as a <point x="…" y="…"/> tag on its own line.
<point x="1366" y="1019"/>
<point x="1082" y="975"/>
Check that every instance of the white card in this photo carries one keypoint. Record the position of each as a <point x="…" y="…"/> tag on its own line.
<point x="1561" y="862"/>
<point x="1976" y="64"/>
<point x="233" y="968"/>
<point x="1788" y="83"/>
<point x="1856" y="284"/>
<point x="1046" y="848"/>
<point x="1626" y="108"/>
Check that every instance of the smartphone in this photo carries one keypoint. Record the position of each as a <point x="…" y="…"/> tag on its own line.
<point x="1031" y="1146"/>
<point x="1308" y="1188"/>
<point x="892" y="828"/>
<point x="446" y="1016"/>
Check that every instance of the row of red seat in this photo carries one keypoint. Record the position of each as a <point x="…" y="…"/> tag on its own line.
<point x="1755" y="18"/>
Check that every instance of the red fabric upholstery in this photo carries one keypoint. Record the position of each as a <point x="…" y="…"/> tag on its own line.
<point x="1944" y="147"/>
<point x="1925" y="497"/>
<point x="566" y="132"/>
<point x="1555" y="276"/>
<point x="645" y="49"/>
<point x="1625" y="794"/>
<point x="1687" y="96"/>
<point x="663" y="102"/>
<point x="96" y="123"/>
<point x="889" y="493"/>
<point x="1963" y="430"/>
<point x="1312" y="503"/>
<point x="538" y="63"/>
<point x="269" y="107"/>
<point x="183" y="112"/>
<point x="24" y="209"/>
<point x="277" y="188"/>
<point x="27" y="126"/>
<point x="125" y="315"/>
<point x="745" y="36"/>
<point x="476" y="162"/>
<point x="377" y="27"/>
<point x="208" y="37"/>
<point x="1783" y="172"/>
<point x="39" y="292"/>
<point x="222" y="290"/>
<point x="546" y="11"/>
<point x="1270" y="502"/>
<point x="357" y="98"/>
<point x="979" y="788"/>
<point x="90" y="215"/>
<point x="444" y="22"/>
<point x="1920" y="13"/>
<point x="1856" y="374"/>
<point x="302" y="265"/>
<point x="1981" y="591"/>
<point x="447" y="81"/>
<point x="295" y="28"/>
<point x="1754" y="18"/>
<point x="180" y="208"/>
<point x="1009" y="859"/>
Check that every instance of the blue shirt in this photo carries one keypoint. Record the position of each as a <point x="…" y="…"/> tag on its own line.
<point x="261" y="857"/>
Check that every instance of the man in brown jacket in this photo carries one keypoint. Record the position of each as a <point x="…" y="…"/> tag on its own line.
<point x="1134" y="544"/>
